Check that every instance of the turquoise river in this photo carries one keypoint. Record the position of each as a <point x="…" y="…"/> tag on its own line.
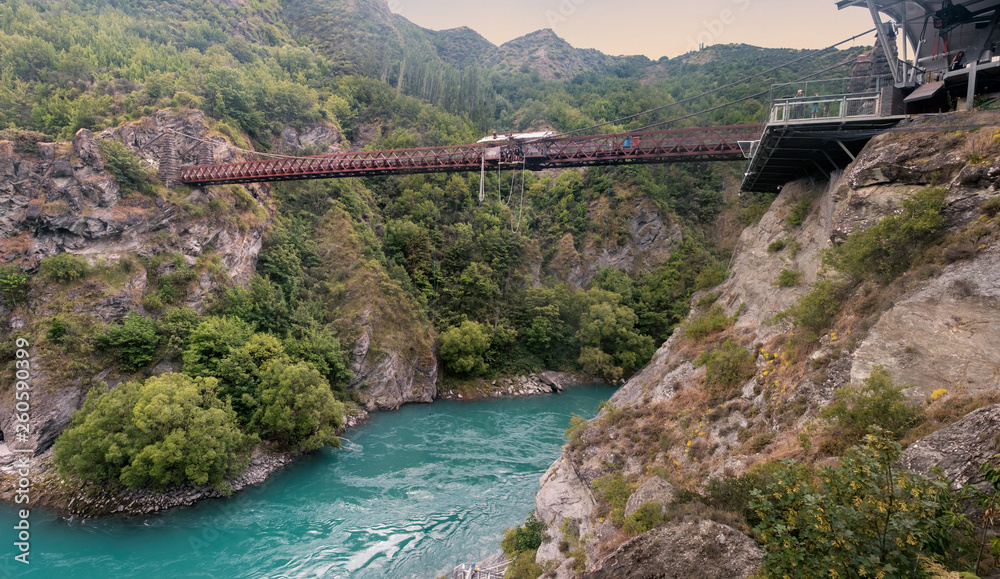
<point x="414" y="494"/>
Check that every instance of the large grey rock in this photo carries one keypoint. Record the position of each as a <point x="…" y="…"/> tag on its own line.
<point x="563" y="497"/>
<point x="960" y="449"/>
<point x="943" y="334"/>
<point x="389" y="371"/>
<point x="683" y="550"/>
<point x="655" y="490"/>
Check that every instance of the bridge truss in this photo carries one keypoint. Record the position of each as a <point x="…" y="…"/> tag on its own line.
<point x="661" y="146"/>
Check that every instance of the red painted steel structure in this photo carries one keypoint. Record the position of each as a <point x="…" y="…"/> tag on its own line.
<point x="663" y="146"/>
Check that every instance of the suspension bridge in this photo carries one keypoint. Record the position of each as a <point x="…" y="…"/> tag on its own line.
<point x="664" y="146"/>
<point x="806" y="132"/>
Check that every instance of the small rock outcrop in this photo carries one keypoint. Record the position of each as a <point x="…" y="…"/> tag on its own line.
<point x="682" y="550"/>
<point x="654" y="490"/>
<point x="958" y="450"/>
<point x="651" y="239"/>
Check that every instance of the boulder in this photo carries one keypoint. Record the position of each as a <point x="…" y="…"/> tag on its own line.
<point x="654" y="490"/>
<point x="682" y="550"/>
<point x="958" y="450"/>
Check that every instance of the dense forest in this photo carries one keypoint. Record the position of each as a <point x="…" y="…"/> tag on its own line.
<point x="491" y="277"/>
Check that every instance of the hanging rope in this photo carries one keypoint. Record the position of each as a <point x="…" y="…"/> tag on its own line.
<point x="520" y="210"/>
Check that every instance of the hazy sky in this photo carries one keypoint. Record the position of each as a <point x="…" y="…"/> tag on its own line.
<point x="652" y="27"/>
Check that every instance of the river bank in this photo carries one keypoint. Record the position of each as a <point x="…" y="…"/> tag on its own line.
<point x="533" y="384"/>
<point x="90" y="500"/>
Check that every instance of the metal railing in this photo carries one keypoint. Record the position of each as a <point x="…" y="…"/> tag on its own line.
<point x="843" y="106"/>
<point x="494" y="572"/>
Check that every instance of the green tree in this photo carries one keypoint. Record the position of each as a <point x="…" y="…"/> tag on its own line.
<point x="321" y="350"/>
<point x="211" y="342"/>
<point x="170" y="430"/>
<point x="239" y="373"/>
<point x="13" y="285"/>
<point x="176" y="325"/>
<point x="296" y="407"/>
<point x="463" y="348"/>
<point x="612" y="345"/>
<point x="133" y="343"/>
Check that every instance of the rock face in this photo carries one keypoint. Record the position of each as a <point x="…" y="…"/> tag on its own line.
<point x="63" y="199"/>
<point x="681" y="550"/>
<point x="60" y="197"/>
<point x="939" y="332"/>
<point x="651" y="239"/>
<point x="391" y="346"/>
<point x="317" y="140"/>
<point x="942" y="335"/>
<point x="563" y="498"/>
<point x="958" y="450"/>
<point x="394" y="378"/>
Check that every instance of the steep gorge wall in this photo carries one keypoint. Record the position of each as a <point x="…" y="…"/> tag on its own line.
<point x="939" y="332"/>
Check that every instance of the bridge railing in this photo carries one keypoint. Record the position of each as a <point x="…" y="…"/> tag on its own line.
<point x="810" y="109"/>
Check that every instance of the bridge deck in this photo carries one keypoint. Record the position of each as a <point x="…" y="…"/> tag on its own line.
<point x="663" y="146"/>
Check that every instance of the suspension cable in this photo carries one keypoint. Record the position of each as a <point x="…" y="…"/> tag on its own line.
<point x="717" y="89"/>
<point x="740" y="100"/>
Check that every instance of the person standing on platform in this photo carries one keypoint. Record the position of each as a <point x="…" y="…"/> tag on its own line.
<point x="798" y="109"/>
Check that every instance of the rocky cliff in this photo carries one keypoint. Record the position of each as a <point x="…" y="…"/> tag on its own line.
<point x="65" y="198"/>
<point x="935" y="329"/>
<point x="61" y="198"/>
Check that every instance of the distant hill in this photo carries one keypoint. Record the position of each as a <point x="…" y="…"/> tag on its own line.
<point x="549" y="55"/>
<point x="366" y="36"/>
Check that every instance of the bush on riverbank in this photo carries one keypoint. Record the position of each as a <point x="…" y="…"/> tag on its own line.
<point x="168" y="430"/>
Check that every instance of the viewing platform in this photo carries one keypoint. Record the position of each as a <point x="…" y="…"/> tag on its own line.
<point x="809" y="135"/>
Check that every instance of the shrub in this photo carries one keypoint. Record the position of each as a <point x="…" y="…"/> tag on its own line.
<point x="169" y="430"/>
<point x="800" y="210"/>
<point x="646" y="518"/>
<point x="817" y="309"/>
<point x="876" y="402"/>
<point x="57" y="332"/>
<point x="863" y="518"/>
<point x="726" y="369"/>
<point x="710" y="323"/>
<point x="613" y="491"/>
<point x="133" y="343"/>
<point x="463" y="348"/>
<point x="524" y="567"/>
<point x="887" y="248"/>
<point x="527" y="537"/>
<point x="13" y="285"/>
<point x="64" y="268"/>
<point x="789" y="278"/>
<point x="777" y="245"/>
<point x="990" y="208"/>
<point x="129" y="170"/>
